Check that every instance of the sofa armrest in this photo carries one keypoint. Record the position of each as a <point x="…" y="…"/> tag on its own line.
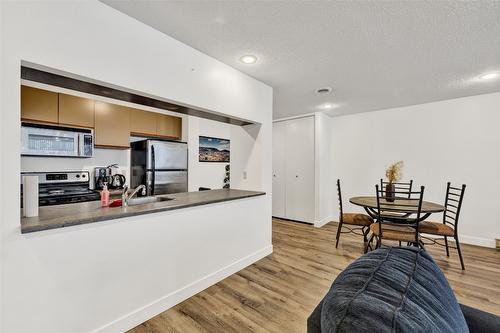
<point x="314" y="320"/>
<point x="479" y="321"/>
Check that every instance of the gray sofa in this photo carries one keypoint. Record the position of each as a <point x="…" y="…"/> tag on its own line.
<point x="396" y="289"/>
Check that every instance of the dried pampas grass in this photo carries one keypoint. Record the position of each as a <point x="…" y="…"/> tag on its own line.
<point x="394" y="172"/>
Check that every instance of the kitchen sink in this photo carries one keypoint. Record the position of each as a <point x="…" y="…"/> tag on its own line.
<point x="147" y="200"/>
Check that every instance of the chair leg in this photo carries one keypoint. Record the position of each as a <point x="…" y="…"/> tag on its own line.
<point x="365" y="239"/>
<point x="460" y="254"/>
<point x="446" y="244"/>
<point x="399" y="243"/>
<point x="338" y="234"/>
<point x="368" y="244"/>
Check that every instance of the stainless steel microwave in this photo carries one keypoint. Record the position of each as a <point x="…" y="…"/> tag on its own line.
<point x="42" y="140"/>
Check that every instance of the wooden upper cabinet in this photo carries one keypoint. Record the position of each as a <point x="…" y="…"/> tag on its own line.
<point x="142" y="122"/>
<point x="77" y="111"/>
<point x="112" y="125"/>
<point x="155" y="124"/>
<point x="168" y="126"/>
<point x="39" y="105"/>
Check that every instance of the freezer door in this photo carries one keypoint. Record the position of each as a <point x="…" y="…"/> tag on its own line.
<point x="164" y="155"/>
<point x="166" y="182"/>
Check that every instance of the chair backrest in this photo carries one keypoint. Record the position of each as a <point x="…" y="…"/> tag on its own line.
<point x="395" y="213"/>
<point x="453" y="205"/>
<point x="339" y="192"/>
<point x="398" y="186"/>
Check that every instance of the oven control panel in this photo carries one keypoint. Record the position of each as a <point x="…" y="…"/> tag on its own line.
<point x="60" y="177"/>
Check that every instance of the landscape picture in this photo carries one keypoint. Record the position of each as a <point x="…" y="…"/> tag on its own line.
<point x="213" y="149"/>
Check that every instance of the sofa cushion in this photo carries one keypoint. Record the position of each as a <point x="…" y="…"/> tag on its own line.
<point x="314" y="320"/>
<point x="396" y="289"/>
<point x="479" y="321"/>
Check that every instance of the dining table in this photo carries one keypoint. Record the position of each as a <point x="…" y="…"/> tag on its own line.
<point x="403" y="207"/>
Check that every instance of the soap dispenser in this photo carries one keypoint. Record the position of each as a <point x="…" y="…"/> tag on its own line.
<point x="105" y="196"/>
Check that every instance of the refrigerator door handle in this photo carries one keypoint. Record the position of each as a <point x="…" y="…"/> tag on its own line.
<point x="152" y="170"/>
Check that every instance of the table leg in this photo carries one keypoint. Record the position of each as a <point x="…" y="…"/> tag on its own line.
<point x="371" y="212"/>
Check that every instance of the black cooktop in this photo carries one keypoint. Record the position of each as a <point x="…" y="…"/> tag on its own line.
<point x="56" y="188"/>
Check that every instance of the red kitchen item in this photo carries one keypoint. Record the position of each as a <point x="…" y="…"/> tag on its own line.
<point x="116" y="203"/>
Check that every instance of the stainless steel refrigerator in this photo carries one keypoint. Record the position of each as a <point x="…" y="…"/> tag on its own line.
<point x="160" y="165"/>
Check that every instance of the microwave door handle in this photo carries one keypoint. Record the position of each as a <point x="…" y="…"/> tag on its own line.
<point x="87" y="145"/>
<point x="81" y="145"/>
<point x="91" y="143"/>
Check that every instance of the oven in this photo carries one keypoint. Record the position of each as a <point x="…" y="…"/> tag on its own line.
<point x="56" y="188"/>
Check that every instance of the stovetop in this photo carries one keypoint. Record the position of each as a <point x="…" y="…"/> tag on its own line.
<point x="57" y="188"/>
<point x="55" y="191"/>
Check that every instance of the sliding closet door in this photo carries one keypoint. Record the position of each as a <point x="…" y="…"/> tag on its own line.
<point x="299" y="152"/>
<point x="279" y="169"/>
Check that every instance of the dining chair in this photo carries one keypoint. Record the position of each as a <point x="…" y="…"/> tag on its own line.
<point x="398" y="186"/>
<point x="393" y="222"/>
<point x="449" y="226"/>
<point x="354" y="222"/>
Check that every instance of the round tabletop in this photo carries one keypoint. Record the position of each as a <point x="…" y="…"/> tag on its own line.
<point x="399" y="204"/>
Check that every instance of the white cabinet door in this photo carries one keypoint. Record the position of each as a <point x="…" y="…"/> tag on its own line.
<point x="299" y="169"/>
<point x="279" y="169"/>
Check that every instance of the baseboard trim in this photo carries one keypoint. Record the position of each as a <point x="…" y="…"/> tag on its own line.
<point x="322" y="222"/>
<point x="471" y="240"/>
<point x="478" y="241"/>
<point x="164" y="303"/>
<point x="464" y="239"/>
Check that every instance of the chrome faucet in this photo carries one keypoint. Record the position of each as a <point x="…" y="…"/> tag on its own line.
<point x="126" y="197"/>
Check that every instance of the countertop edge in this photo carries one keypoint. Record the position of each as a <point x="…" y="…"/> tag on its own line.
<point x="35" y="228"/>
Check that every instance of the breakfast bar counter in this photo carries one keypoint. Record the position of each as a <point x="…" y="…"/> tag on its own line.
<point x="60" y="216"/>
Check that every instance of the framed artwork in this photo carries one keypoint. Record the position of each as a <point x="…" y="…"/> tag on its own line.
<point x="214" y="149"/>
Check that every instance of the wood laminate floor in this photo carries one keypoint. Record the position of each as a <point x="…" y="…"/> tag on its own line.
<point x="277" y="293"/>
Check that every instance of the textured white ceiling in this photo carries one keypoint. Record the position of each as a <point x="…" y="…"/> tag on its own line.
<point x="374" y="55"/>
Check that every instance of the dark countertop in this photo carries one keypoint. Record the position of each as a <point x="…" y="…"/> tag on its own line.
<point x="60" y="216"/>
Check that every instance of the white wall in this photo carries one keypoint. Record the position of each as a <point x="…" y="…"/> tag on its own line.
<point x="203" y="174"/>
<point x="324" y="179"/>
<point x="2" y="78"/>
<point x="246" y="155"/>
<point x="248" y="168"/>
<point x="112" y="275"/>
<point x="455" y="140"/>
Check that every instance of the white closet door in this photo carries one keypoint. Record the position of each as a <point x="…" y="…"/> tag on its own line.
<point x="299" y="152"/>
<point x="279" y="169"/>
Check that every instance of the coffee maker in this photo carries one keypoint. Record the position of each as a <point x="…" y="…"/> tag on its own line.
<point x="104" y="175"/>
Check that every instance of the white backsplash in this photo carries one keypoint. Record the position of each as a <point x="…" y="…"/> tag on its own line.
<point x="101" y="158"/>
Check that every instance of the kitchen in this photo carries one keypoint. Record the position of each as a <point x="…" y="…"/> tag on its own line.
<point x="143" y="160"/>
<point x="113" y="274"/>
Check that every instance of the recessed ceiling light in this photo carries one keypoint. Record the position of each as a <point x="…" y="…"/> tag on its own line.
<point x="248" y="59"/>
<point x="325" y="90"/>
<point x="489" y="76"/>
<point x="328" y="106"/>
